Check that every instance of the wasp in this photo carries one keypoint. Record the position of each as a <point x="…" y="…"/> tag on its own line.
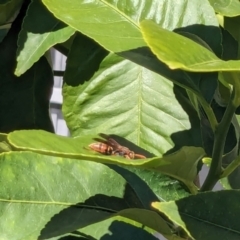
<point x="109" y="146"/>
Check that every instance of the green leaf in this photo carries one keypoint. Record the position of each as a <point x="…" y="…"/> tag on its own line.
<point x="3" y="31"/>
<point x="117" y="228"/>
<point x="147" y="218"/>
<point x="162" y="186"/>
<point x="233" y="79"/>
<point x="181" y="164"/>
<point x="179" y="52"/>
<point x="54" y="193"/>
<point x="83" y="60"/>
<point x="8" y="10"/>
<point x="24" y="101"/>
<point x="191" y="13"/>
<point x="225" y="183"/>
<point x="128" y="100"/>
<point x="110" y="21"/>
<point x="193" y="82"/>
<point x="4" y="146"/>
<point x="3" y="136"/>
<point x="201" y="216"/>
<point x="229" y="44"/>
<point x="126" y="223"/>
<point x="228" y="8"/>
<point x="40" y="31"/>
<point x="48" y="143"/>
<point x="54" y="145"/>
<point x="149" y="185"/>
<point x="231" y="25"/>
<point x="184" y="166"/>
<point x="115" y="25"/>
<point x="64" y="47"/>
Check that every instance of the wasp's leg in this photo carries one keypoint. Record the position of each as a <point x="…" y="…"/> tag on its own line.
<point x="139" y="156"/>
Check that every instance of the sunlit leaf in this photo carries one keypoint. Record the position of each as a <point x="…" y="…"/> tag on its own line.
<point x="179" y="52"/>
<point x="228" y="8"/>
<point x="4" y="146"/>
<point x="54" y="193"/>
<point x="181" y="164"/>
<point x="128" y="100"/>
<point x="115" y="24"/>
<point x="40" y="31"/>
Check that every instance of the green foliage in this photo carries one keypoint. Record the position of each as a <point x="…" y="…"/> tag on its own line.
<point x="170" y="50"/>
<point x="220" y="225"/>
<point x="161" y="79"/>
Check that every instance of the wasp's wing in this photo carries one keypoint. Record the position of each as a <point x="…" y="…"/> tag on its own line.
<point x="103" y="135"/>
<point x="101" y="140"/>
<point x="110" y="141"/>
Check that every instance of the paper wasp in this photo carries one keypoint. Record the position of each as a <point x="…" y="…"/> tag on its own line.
<point x="109" y="146"/>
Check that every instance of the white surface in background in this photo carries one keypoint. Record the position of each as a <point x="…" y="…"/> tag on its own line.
<point x="62" y="127"/>
<point x="57" y="96"/>
<point x="54" y="120"/>
<point x="59" y="64"/>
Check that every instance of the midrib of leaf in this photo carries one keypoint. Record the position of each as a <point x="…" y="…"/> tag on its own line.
<point x="200" y="220"/>
<point x="120" y="13"/>
<point x="210" y="223"/>
<point x="139" y="105"/>
<point x="57" y="203"/>
<point x="203" y="63"/>
<point x="35" y="202"/>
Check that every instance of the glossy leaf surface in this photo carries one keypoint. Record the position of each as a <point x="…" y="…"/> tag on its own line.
<point x="116" y="22"/>
<point x="181" y="165"/>
<point x="196" y="17"/>
<point x="40" y="31"/>
<point x="78" y="148"/>
<point x="205" y="211"/>
<point x="229" y="8"/>
<point x="47" y="191"/>
<point x="128" y="100"/>
<point x="179" y="52"/>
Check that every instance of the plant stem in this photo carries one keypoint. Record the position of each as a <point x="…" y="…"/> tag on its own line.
<point x="210" y="114"/>
<point x="218" y="147"/>
<point x="231" y="167"/>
